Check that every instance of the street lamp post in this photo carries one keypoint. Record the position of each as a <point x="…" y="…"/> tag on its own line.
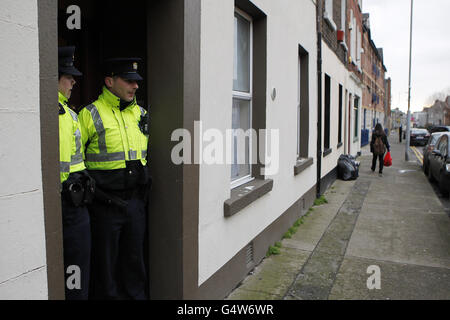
<point x="408" y="124"/>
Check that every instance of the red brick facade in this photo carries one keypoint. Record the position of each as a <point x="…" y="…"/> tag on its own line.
<point x="374" y="73"/>
<point x="354" y="14"/>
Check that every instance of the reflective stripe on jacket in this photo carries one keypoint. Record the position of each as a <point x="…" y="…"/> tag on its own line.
<point x="70" y="141"/>
<point x="112" y="136"/>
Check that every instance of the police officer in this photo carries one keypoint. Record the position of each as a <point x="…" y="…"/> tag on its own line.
<point x="115" y="132"/>
<point x="76" y="186"/>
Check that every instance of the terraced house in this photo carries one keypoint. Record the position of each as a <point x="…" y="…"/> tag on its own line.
<point x="376" y="94"/>
<point x="287" y="74"/>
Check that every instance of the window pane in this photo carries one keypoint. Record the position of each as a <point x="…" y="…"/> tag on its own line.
<point x="329" y="7"/>
<point x="298" y="131"/>
<point x="443" y="145"/>
<point x="241" y="75"/>
<point x="241" y="142"/>
<point x="356" y="108"/>
<point x="299" y="86"/>
<point x="327" y="112"/>
<point x="340" y="114"/>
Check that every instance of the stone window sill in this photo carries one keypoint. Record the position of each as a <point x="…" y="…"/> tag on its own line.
<point x="329" y="20"/>
<point x="340" y="145"/>
<point x="302" y="165"/>
<point x="327" y="152"/>
<point x="246" y="194"/>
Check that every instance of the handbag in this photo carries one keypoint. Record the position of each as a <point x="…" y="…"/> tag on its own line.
<point x="388" y="160"/>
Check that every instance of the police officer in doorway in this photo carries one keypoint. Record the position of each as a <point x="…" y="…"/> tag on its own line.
<point x="77" y="187"/>
<point x="115" y="133"/>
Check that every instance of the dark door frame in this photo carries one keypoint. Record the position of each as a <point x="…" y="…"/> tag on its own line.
<point x="173" y="75"/>
<point x="48" y="79"/>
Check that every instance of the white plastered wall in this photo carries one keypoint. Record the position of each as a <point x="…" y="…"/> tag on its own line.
<point x="23" y="272"/>
<point x="290" y="23"/>
<point x="335" y="69"/>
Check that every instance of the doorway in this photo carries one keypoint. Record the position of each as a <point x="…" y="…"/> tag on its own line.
<point x="105" y="29"/>
<point x="101" y="35"/>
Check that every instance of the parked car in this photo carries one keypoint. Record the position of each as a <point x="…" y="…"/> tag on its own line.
<point x="419" y="137"/>
<point x="440" y="129"/>
<point x="429" y="148"/>
<point x="439" y="164"/>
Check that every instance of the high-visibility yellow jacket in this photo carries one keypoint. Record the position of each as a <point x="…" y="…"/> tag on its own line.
<point x="112" y="136"/>
<point x="70" y="142"/>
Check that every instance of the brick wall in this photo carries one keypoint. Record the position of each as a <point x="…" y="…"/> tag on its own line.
<point x="352" y="6"/>
<point x="329" y="35"/>
<point x="373" y="76"/>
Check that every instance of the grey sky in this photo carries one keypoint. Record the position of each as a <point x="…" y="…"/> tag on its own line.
<point x="390" y="24"/>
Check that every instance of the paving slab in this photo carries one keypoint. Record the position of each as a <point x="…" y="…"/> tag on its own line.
<point x="273" y="277"/>
<point x="317" y="276"/>
<point x="396" y="235"/>
<point x="398" y="281"/>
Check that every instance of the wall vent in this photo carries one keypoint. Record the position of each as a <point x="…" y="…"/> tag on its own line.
<point x="249" y="256"/>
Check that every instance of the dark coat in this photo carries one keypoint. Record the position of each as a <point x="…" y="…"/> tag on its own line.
<point x="375" y="135"/>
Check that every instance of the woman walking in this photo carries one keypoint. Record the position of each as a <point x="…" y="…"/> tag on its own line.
<point x="378" y="147"/>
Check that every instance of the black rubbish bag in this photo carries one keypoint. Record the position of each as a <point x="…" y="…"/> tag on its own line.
<point x="348" y="168"/>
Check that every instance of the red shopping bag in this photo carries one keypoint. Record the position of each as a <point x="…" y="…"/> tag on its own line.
<point x="388" y="160"/>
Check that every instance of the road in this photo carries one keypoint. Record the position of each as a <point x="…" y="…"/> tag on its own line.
<point x="418" y="154"/>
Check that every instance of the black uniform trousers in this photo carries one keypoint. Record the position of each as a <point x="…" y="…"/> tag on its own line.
<point x="77" y="251"/>
<point x="380" y="157"/>
<point x="118" y="268"/>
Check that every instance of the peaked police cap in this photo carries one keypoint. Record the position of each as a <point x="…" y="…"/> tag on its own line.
<point x="126" y="68"/>
<point x="66" y="58"/>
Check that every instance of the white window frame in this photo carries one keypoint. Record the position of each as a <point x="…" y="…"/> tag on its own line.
<point x="328" y="15"/>
<point x="358" y="48"/>
<point x="357" y="116"/>
<point x="248" y="97"/>
<point x="353" y="40"/>
<point x="343" y="16"/>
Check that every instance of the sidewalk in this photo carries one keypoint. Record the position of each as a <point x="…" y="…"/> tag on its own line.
<point x="394" y="222"/>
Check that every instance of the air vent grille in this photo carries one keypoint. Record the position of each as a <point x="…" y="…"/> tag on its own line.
<point x="249" y="255"/>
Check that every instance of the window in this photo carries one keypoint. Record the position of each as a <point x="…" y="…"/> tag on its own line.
<point x="299" y="93"/>
<point x="328" y="15"/>
<point x="249" y="180"/>
<point x="327" y="111"/>
<point x="356" y="112"/>
<point x="365" y="119"/>
<point x="352" y="37"/>
<point x="343" y="14"/>
<point x="358" y="48"/>
<point x="443" y="145"/>
<point x="329" y="7"/>
<point x="242" y="99"/>
<point x="341" y="97"/>
<point x="303" y="105"/>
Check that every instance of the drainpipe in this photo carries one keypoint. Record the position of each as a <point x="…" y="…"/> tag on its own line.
<point x="319" y="97"/>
